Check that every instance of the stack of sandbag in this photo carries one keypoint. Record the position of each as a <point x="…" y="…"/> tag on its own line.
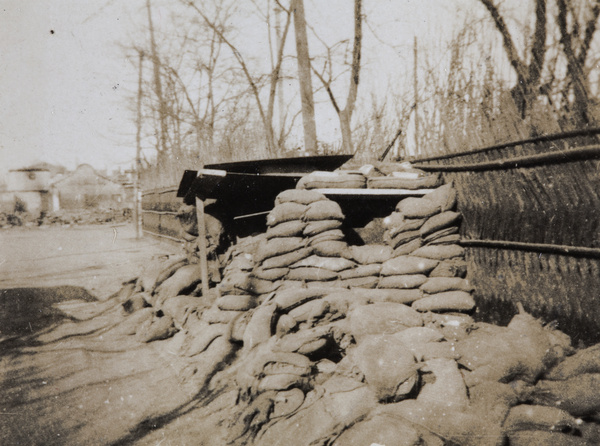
<point x="333" y="180"/>
<point x="423" y="233"/>
<point x="304" y="241"/>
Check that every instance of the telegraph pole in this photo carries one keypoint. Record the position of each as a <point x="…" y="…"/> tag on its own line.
<point x="138" y="153"/>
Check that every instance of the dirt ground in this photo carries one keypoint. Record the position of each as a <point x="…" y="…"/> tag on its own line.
<point x="96" y="257"/>
<point x="69" y="370"/>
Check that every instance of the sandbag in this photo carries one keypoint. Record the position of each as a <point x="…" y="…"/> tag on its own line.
<point x="404" y="237"/>
<point x="324" y="412"/>
<point x="446" y="301"/>
<point x="384" y="317"/>
<point x="178" y="307"/>
<point x="290" y="298"/>
<point x="301" y="196"/>
<point x="540" y="418"/>
<point x="444" y="196"/>
<point x="361" y="271"/>
<point x="402" y="281"/>
<point x="392" y="295"/>
<point x="578" y="395"/>
<point x="323" y="210"/>
<point x="156" y="329"/>
<point x="328" y="180"/>
<point x="285" y="260"/>
<point x="311" y="274"/>
<point x="446" y="240"/>
<point x="280" y="382"/>
<point x="360" y="282"/>
<point x="185" y="278"/>
<point x="368" y="254"/>
<point x="317" y="227"/>
<point x="407" y="265"/>
<point x="389" y="367"/>
<point x="455" y="427"/>
<point x="434" y="350"/>
<point x="413" y="207"/>
<point x="285" y="212"/>
<point x="260" y="286"/>
<point x="215" y="316"/>
<point x="236" y="303"/>
<point x="584" y="361"/>
<point x="278" y="246"/>
<point x="440" y="252"/>
<point x="287" y="402"/>
<point x="408" y="248"/>
<point x="418" y="335"/>
<point x="396" y="222"/>
<point x="391" y="182"/>
<point x="450" y="268"/>
<point x="305" y="341"/>
<point x="270" y="273"/>
<point x="292" y="228"/>
<point x="314" y="309"/>
<point x="200" y="337"/>
<point x="435" y="285"/>
<point x="235" y="282"/>
<point x="329" y="235"/>
<point x="330" y="263"/>
<point x="543" y="438"/>
<point x="331" y="248"/>
<point x="382" y="430"/>
<point x="439" y="221"/>
<point x="259" y="327"/>
<point x="451" y="230"/>
<point x="131" y="324"/>
<point x="493" y="400"/>
<point x="448" y="389"/>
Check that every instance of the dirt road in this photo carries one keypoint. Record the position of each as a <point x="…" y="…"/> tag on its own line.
<point x="98" y="258"/>
<point x="70" y="371"/>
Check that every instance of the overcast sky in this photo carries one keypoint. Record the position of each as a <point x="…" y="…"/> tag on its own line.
<point x="65" y="80"/>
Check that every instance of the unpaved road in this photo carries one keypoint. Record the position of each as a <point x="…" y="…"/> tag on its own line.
<point x="70" y="372"/>
<point x="96" y="257"/>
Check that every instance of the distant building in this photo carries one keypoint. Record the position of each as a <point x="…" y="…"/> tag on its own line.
<point x="27" y="190"/>
<point x="85" y="188"/>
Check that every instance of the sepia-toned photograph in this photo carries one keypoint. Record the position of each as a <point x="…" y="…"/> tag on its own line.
<point x="300" y="222"/>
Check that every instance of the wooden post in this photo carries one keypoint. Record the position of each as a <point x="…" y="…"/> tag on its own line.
<point x="202" y="245"/>
<point x="137" y="190"/>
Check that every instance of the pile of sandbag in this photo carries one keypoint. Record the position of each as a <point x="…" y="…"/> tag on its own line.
<point x="304" y="240"/>
<point x="334" y="344"/>
<point x="423" y="233"/>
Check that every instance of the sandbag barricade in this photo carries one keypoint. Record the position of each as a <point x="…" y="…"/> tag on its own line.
<point x="328" y="343"/>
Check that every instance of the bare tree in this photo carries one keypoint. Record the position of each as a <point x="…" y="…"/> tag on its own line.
<point x="304" y="77"/>
<point x="529" y="73"/>
<point x="345" y="114"/>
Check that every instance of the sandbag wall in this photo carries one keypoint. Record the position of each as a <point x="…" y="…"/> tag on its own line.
<point x="337" y="344"/>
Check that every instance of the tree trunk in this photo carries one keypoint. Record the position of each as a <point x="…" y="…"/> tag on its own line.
<point x="304" y="77"/>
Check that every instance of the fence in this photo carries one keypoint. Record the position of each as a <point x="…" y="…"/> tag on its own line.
<point x="159" y="211"/>
<point x="531" y="226"/>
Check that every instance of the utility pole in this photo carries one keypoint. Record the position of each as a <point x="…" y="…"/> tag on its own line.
<point x="416" y="87"/>
<point x="138" y="153"/>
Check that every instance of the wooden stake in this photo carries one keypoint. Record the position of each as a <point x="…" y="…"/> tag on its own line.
<point x="202" y="245"/>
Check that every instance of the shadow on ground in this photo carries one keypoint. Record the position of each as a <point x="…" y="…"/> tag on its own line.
<point x="25" y="311"/>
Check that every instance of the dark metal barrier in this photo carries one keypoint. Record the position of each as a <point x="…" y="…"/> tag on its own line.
<point x="531" y="226"/>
